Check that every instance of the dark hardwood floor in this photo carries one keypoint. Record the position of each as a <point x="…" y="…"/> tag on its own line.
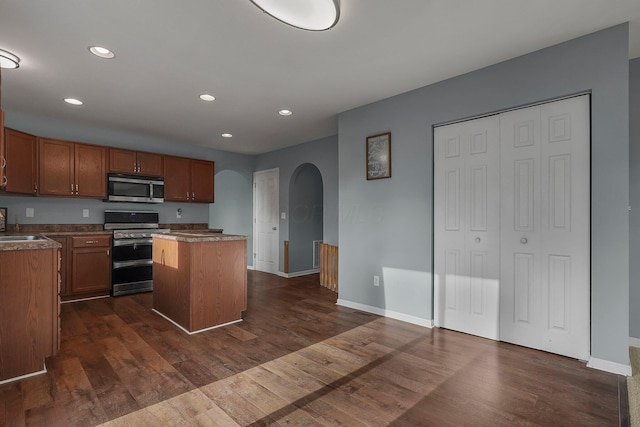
<point x="296" y="359"/>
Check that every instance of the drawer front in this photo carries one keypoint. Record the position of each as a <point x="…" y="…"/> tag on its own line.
<point x="89" y="241"/>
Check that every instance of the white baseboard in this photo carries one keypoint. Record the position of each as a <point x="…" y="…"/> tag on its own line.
<point x="250" y="267"/>
<point x="84" y="299"/>
<point x="427" y="323"/>
<point x="199" y="330"/>
<point x="634" y="342"/>
<point x="608" y="366"/>
<point x="21" y="377"/>
<point x="298" y="273"/>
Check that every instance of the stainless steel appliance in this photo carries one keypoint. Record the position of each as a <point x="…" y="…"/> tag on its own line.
<point x="135" y="188"/>
<point x="132" y="260"/>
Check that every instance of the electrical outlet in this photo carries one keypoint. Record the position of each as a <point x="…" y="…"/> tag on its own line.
<point x="29" y="213"/>
<point x="179" y="213"/>
<point x="376" y="280"/>
<point x="85" y="213"/>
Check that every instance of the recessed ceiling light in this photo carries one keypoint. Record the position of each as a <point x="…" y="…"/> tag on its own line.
<point x="285" y="112"/>
<point x="73" y="101"/>
<point x="226" y="135"/>
<point x="207" y="97"/>
<point x="8" y="60"/>
<point x="314" y="15"/>
<point x="101" y="52"/>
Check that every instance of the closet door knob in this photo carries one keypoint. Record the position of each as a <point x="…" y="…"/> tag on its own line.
<point x="524" y="240"/>
<point x="477" y="240"/>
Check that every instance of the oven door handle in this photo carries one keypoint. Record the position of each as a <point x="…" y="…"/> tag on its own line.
<point x="131" y="242"/>
<point x="134" y="263"/>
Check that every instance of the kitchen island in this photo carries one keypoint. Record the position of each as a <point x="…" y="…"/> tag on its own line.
<point x="199" y="279"/>
<point x="29" y="323"/>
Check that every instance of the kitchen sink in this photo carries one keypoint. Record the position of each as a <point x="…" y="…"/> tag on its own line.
<point x="21" y="238"/>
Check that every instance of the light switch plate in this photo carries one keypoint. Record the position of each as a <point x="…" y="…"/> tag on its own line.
<point x="283" y="215"/>
<point x="29" y="213"/>
<point x="85" y="213"/>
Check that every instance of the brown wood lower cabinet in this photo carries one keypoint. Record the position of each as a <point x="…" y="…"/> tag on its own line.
<point x="85" y="267"/>
<point x="29" y="325"/>
<point x="90" y="266"/>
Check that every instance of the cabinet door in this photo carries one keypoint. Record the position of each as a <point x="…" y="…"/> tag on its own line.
<point x="149" y="164"/>
<point x="91" y="271"/>
<point x="122" y="161"/>
<point x="90" y="171"/>
<point x="21" y="155"/>
<point x="56" y="167"/>
<point x="177" y="176"/>
<point x="202" y="179"/>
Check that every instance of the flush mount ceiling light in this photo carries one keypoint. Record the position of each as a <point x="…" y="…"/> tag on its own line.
<point x="313" y="15"/>
<point x="226" y="135"/>
<point x="285" y="112"/>
<point x="73" y="101"/>
<point x="8" y="60"/>
<point x="207" y="97"/>
<point x="101" y="52"/>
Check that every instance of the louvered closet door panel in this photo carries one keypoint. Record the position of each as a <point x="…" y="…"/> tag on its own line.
<point x="466" y="222"/>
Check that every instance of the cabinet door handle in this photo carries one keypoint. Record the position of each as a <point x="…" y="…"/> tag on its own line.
<point x="76" y="188"/>
<point x="4" y="181"/>
<point x="108" y="252"/>
<point x="187" y="195"/>
<point x="193" y="195"/>
<point x="71" y="188"/>
<point x="90" y="242"/>
<point x="4" y="162"/>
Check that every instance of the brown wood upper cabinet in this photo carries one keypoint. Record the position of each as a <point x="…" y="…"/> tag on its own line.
<point x="135" y="162"/>
<point x="188" y="180"/>
<point x="21" y="162"/>
<point x="72" y="169"/>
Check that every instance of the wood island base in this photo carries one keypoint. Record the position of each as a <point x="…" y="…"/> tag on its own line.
<point x="199" y="281"/>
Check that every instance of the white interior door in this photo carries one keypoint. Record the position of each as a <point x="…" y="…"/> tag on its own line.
<point x="266" y="206"/>
<point x="545" y="233"/>
<point x="467" y="224"/>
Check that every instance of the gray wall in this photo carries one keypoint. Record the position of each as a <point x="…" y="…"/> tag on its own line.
<point x="385" y="226"/>
<point x="634" y="196"/>
<point x="233" y="207"/>
<point x="305" y="216"/>
<point x="323" y="153"/>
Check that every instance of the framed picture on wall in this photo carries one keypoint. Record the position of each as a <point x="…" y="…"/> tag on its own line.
<point x="379" y="156"/>
<point x="3" y="219"/>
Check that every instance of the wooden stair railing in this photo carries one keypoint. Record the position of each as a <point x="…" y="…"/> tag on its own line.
<point x="329" y="267"/>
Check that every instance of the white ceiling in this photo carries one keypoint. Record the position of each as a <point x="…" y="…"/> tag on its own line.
<point x="168" y="52"/>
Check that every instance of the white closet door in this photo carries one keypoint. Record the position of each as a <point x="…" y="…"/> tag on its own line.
<point x="466" y="220"/>
<point x="545" y="232"/>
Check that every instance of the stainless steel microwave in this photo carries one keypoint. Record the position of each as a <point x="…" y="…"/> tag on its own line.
<point x="135" y="188"/>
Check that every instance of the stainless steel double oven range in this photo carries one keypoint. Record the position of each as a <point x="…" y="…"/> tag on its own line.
<point x="132" y="260"/>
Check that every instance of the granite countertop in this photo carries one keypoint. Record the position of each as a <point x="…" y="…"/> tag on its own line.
<point x="78" y="233"/>
<point x="25" y="245"/>
<point x="195" y="236"/>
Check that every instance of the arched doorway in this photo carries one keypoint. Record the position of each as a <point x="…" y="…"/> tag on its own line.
<point x="305" y="218"/>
